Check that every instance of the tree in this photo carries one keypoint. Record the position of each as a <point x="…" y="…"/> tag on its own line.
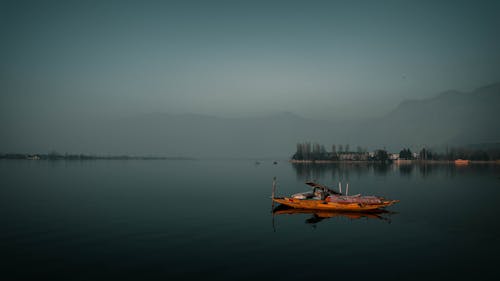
<point x="347" y="148"/>
<point x="322" y="150"/>
<point x="381" y="155"/>
<point x="299" y="154"/>
<point x="316" y="151"/>
<point x="54" y="155"/>
<point x="426" y="154"/>
<point x="405" y="154"/>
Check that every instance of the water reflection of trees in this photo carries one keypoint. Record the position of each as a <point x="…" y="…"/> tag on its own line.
<point x="426" y="170"/>
<point x="406" y="170"/>
<point x="343" y="171"/>
<point x="340" y="171"/>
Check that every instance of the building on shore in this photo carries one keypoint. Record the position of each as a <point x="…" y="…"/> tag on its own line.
<point x="393" y="156"/>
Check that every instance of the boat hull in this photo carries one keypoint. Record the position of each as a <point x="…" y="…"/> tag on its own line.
<point x="314" y="204"/>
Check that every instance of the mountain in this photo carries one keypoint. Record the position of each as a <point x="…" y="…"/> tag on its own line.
<point x="450" y="118"/>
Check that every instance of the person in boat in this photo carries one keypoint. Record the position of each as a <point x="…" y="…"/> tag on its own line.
<point x="322" y="191"/>
<point x="318" y="192"/>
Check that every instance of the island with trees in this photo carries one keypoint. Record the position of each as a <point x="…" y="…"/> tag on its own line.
<point x="308" y="152"/>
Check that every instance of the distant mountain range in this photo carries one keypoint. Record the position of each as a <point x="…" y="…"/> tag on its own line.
<point x="451" y="118"/>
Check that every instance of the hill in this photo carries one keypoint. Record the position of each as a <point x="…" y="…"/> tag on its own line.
<point x="452" y="117"/>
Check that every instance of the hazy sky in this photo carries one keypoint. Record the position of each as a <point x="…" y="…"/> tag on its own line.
<point x="320" y="59"/>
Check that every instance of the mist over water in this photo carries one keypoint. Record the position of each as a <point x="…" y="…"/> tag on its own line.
<point x="212" y="219"/>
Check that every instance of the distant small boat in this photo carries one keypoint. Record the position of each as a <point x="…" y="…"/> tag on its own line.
<point x="324" y="198"/>
<point x="462" y="162"/>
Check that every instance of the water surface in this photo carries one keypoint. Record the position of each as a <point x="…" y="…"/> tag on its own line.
<point x="102" y="220"/>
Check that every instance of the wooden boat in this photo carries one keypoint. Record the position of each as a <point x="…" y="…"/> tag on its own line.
<point x="462" y="162"/>
<point x="324" y="198"/>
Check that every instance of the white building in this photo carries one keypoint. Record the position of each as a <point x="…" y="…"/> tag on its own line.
<point x="394" y="156"/>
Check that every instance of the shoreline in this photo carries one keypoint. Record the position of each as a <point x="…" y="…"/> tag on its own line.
<point x="396" y="162"/>
<point x="83" y="157"/>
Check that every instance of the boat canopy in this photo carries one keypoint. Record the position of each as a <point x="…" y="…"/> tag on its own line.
<point x="322" y="187"/>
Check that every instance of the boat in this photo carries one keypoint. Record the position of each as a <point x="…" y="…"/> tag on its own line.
<point x="324" y="198"/>
<point x="462" y="162"/>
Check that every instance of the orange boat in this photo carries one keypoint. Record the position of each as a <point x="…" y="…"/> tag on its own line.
<point x="324" y="198"/>
<point x="462" y="162"/>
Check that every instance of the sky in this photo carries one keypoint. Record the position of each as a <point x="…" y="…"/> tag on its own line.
<point x="319" y="59"/>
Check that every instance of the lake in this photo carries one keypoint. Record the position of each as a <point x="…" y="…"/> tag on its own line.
<point x="212" y="219"/>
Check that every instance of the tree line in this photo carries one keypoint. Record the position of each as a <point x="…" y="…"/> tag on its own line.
<point x="315" y="151"/>
<point x="454" y="153"/>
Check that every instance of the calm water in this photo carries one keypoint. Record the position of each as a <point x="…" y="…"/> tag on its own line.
<point x="176" y="220"/>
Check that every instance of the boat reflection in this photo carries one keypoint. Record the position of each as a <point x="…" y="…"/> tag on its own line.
<point x="320" y="215"/>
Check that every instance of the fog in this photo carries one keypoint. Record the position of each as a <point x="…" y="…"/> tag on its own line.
<point x="245" y="79"/>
